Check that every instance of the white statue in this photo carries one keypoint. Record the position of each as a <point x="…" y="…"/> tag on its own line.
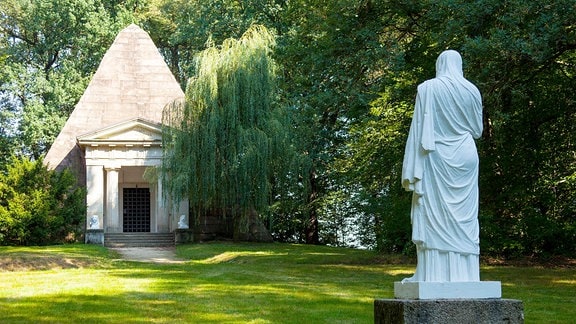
<point x="441" y="168"/>
<point x="182" y="224"/>
<point x="94" y="222"/>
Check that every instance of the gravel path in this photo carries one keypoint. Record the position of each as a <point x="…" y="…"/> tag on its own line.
<point x="165" y="255"/>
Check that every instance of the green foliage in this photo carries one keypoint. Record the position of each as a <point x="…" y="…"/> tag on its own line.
<point x="39" y="206"/>
<point x="522" y="57"/>
<point x="526" y="151"/>
<point x="331" y="52"/>
<point x="228" y="143"/>
<point x="349" y="75"/>
<point x="181" y="29"/>
<point x="373" y="162"/>
<point x="52" y="48"/>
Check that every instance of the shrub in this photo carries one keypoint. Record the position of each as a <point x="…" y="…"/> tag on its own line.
<point x="39" y="206"/>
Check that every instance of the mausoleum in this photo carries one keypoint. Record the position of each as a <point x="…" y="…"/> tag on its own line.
<point x="112" y="140"/>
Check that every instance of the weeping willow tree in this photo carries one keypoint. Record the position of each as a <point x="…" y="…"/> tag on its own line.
<point x="227" y="143"/>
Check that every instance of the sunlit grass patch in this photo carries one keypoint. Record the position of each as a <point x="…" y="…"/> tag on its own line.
<point x="70" y="256"/>
<point x="233" y="256"/>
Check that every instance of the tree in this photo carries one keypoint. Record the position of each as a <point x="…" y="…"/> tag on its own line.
<point x="522" y="57"/>
<point x="529" y="127"/>
<point x="181" y="29"/>
<point x="53" y="47"/>
<point x="332" y="50"/>
<point x="349" y="70"/>
<point x="228" y="143"/>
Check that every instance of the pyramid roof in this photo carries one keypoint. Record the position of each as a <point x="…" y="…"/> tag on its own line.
<point x="132" y="81"/>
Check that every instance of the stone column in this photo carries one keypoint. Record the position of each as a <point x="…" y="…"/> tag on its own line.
<point x="159" y="193"/>
<point x="95" y="204"/>
<point x="95" y="194"/>
<point x="112" y="203"/>
<point x="162" y="219"/>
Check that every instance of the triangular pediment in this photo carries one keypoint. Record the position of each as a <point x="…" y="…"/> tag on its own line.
<point x="136" y="131"/>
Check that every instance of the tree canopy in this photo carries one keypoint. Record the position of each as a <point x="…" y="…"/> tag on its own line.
<point x="51" y="47"/>
<point x="228" y="142"/>
<point x="347" y="72"/>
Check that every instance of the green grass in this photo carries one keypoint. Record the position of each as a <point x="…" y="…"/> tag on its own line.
<point x="236" y="283"/>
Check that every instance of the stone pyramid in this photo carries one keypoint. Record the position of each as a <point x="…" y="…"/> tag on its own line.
<point x="132" y="81"/>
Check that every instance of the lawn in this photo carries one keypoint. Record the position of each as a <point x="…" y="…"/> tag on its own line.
<point x="236" y="283"/>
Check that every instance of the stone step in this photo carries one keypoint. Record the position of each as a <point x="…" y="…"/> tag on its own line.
<point x="138" y="239"/>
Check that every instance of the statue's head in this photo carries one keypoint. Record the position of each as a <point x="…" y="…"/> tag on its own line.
<point x="94" y="222"/>
<point x="449" y="63"/>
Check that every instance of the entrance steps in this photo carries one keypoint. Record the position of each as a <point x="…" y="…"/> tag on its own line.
<point x="118" y="240"/>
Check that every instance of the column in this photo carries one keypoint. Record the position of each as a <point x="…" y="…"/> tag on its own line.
<point x="159" y="193"/>
<point x="112" y="203"/>
<point x="162" y="221"/>
<point x="95" y="197"/>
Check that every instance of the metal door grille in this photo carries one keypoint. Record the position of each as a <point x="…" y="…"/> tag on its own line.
<point x="136" y="210"/>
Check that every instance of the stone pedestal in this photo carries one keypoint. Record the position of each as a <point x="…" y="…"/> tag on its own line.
<point x="182" y="235"/>
<point x="448" y="311"/>
<point x="447" y="290"/>
<point x="95" y="236"/>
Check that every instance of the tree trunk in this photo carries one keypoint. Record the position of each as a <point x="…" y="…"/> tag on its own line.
<point x="312" y="226"/>
<point x="250" y="228"/>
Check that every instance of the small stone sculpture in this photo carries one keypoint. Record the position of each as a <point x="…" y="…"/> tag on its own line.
<point x="441" y="168"/>
<point x="182" y="224"/>
<point x="94" y="222"/>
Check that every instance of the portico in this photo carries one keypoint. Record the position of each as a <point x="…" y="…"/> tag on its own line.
<point x="123" y="188"/>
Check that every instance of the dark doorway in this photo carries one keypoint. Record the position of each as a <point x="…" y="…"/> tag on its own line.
<point x="136" y="210"/>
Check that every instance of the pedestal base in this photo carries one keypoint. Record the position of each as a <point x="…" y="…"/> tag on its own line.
<point x="399" y="311"/>
<point x="447" y="290"/>
<point x="94" y="236"/>
<point x="182" y="235"/>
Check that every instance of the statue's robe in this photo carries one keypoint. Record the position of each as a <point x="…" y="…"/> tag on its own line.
<point x="441" y="168"/>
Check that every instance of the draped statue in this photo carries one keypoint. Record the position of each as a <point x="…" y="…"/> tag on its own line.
<point x="440" y="167"/>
